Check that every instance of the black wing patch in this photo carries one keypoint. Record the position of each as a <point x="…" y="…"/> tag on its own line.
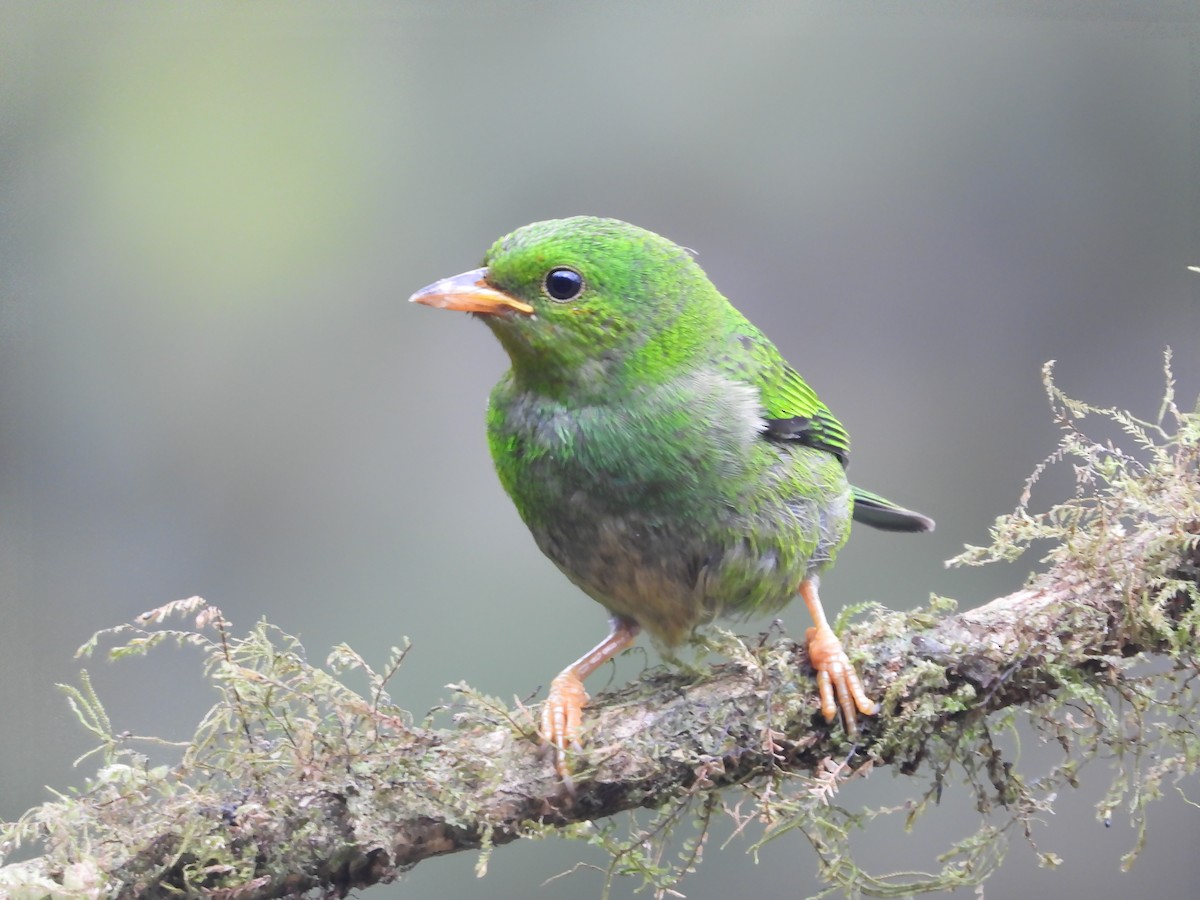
<point x="810" y="431"/>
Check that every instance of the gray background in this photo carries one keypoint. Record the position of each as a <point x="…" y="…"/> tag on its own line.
<point x="210" y="383"/>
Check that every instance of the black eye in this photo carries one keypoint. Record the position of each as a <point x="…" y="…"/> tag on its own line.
<point x="563" y="284"/>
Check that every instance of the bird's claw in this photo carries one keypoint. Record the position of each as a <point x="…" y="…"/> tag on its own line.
<point x="837" y="683"/>
<point x="562" y="719"/>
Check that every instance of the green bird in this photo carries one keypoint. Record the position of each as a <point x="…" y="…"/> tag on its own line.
<point x="660" y="449"/>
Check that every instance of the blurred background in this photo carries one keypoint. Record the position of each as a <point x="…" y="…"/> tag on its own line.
<point x="210" y="382"/>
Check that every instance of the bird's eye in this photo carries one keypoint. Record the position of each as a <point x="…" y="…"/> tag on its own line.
<point x="563" y="284"/>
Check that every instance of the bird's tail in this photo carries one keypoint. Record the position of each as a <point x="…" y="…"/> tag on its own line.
<point x="879" y="512"/>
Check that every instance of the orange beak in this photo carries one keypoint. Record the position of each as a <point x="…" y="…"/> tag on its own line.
<point x="469" y="292"/>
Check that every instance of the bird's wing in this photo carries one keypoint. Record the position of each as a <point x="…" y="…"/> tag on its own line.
<point x="811" y="423"/>
<point x="793" y="412"/>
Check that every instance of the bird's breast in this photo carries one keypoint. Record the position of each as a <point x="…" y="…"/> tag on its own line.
<point x="676" y="446"/>
<point x="667" y="507"/>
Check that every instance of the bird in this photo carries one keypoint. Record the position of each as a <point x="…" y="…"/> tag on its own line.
<point x="660" y="449"/>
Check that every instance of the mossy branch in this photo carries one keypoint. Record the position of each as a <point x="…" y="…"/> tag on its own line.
<point x="296" y="783"/>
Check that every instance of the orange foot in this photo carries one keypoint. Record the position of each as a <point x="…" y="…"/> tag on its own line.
<point x="562" y="716"/>
<point x="837" y="682"/>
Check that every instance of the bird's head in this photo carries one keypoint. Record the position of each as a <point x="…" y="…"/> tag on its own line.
<point x="592" y="306"/>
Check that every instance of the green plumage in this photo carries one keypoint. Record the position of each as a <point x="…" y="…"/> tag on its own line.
<point x="659" y="448"/>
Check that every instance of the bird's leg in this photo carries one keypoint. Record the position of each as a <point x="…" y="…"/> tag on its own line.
<point x="562" y="716"/>
<point x="837" y="681"/>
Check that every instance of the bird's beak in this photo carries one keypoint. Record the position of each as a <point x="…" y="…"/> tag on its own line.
<point x="469" y="292"/>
